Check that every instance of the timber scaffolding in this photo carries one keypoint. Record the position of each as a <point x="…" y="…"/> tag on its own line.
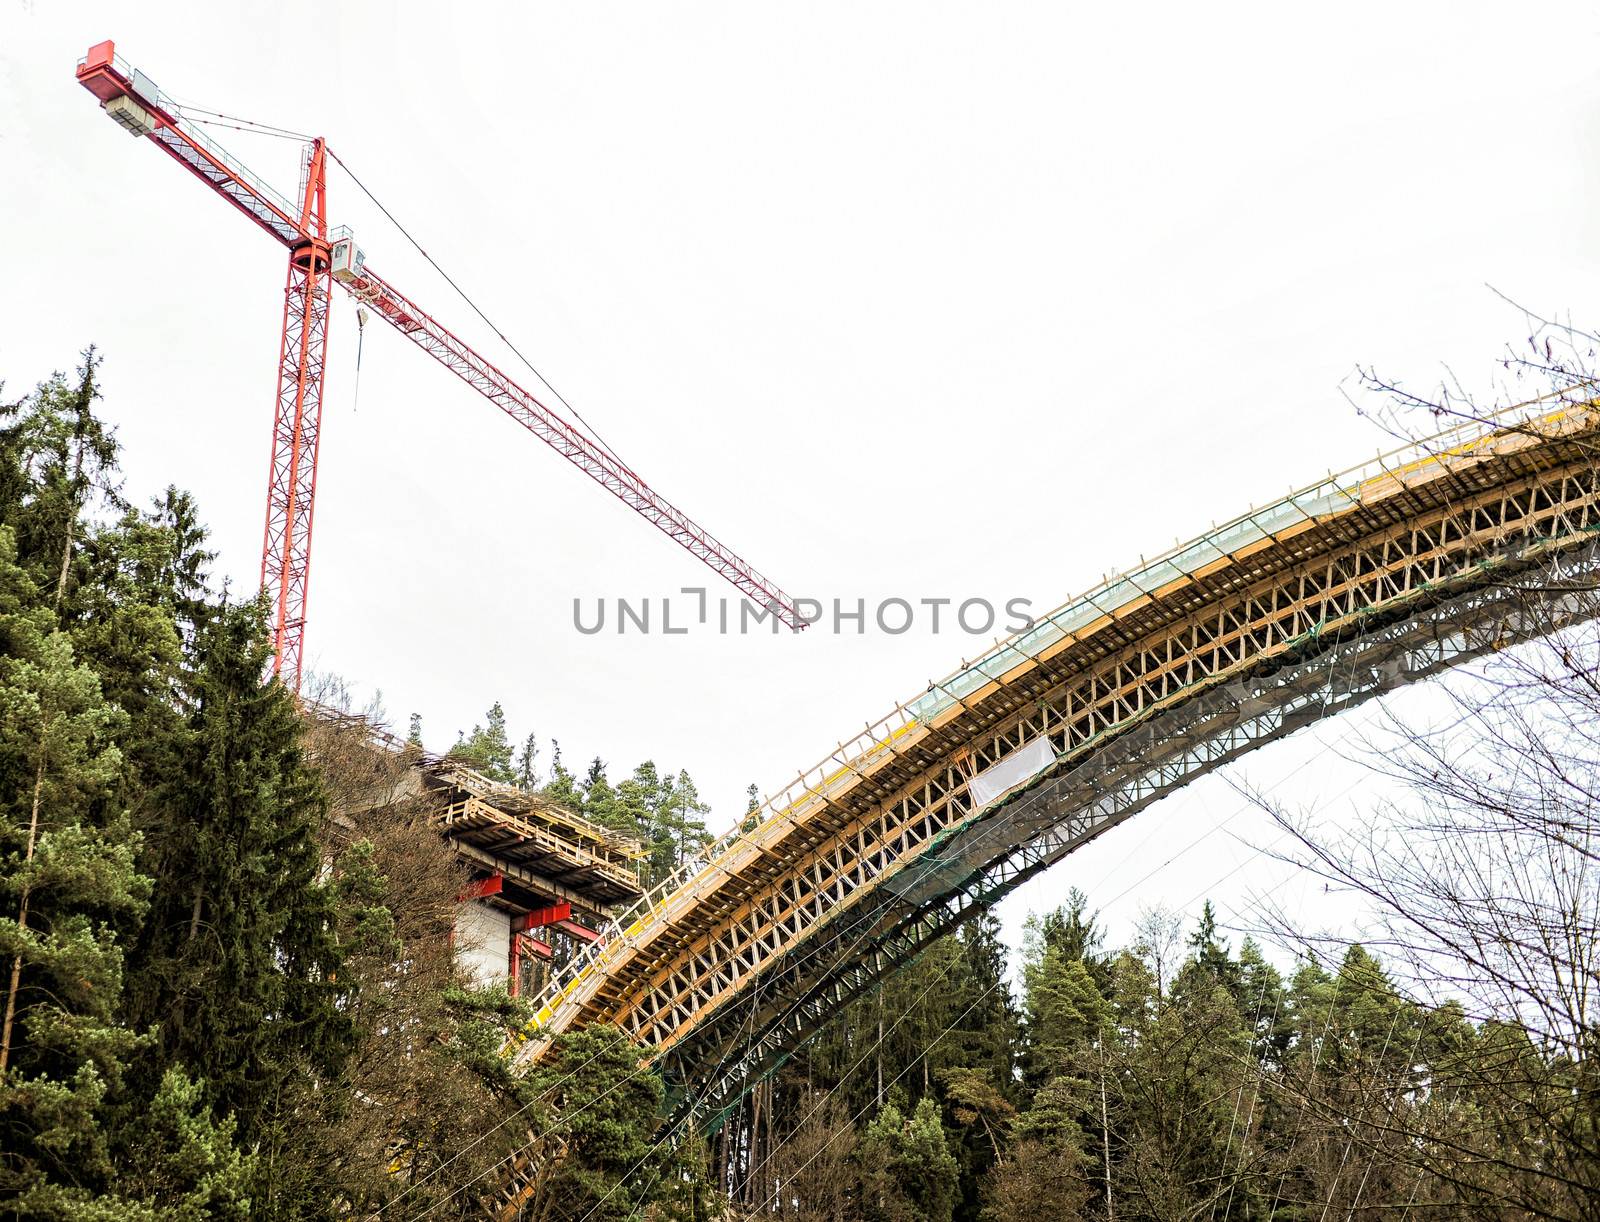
<point x="522" y="834"/>
<point x="528" y="852"/>
<point x="1382" y="543"/>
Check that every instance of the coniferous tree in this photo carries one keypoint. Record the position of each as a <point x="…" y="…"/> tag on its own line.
<point x="907" y="1171"/>
<point x="72" y="894"/>
<point x="562" y="786"/>
<point x="681" y="819"/>
<point x="600" y="802"/>
<point x="91" y="615"/>
<point x="237" y="965"/>
<point x="608" y="1166"/>
<point x="487" y="749"/>
<point x="752" y="808"/>
<point x="528" y="764"/>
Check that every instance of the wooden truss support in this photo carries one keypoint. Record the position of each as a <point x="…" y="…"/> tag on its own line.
<point x="715" y="1066"/>
<point x="1425" y="535"/>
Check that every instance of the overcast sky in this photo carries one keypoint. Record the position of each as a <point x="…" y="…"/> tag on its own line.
<point x="899" y="300"/>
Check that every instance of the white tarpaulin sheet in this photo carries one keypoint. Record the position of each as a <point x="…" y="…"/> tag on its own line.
<point x="1000" y="779"/>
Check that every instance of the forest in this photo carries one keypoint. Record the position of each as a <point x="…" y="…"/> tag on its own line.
<point x="229" y="993"/>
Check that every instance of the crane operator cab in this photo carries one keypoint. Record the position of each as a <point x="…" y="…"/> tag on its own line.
<point x="348" y="259"/>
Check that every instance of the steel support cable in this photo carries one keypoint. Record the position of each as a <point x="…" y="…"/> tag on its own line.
<point x="1324" y="748"/>
<point x="1250" y="804"/>
<point x="653" y="1148"/>
<point x="1244" y="1135"/>
<point x="1390" y="1082"/>
<point x="1251" y="801"/>
<point x="473" y="305"/>
<point x="467" y="1149"/>
<point x="1349" y="1145"/>
<point x="905" y="1069"/>
<point x="994" y="829"/>
<point x="501" y="1124"/>
<point x="688" y="1116"/>
<point x="253" y="131"/>
<point x="836" y="937"/>
<point x="735" y="838"/>
<point x="723" y="1061"/>
<point x="829" y="1094"/>
<point x="219" y="119"/>
<point x="1190" y="904"/>
<point x="986" y="834"/>
<point x="878" y="1043"/>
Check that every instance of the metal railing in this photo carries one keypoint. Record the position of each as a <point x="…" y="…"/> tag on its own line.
<point x="192" y="131"/>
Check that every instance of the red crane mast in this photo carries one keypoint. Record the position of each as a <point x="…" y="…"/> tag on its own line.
<point x="319" y="256"/>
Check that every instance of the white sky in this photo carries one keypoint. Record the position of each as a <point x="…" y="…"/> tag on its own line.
<point x="917" y="300"/>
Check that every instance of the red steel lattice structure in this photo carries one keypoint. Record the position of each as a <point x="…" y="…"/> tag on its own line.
<point x="297" y="423"/>
<point x="318" y="257"/>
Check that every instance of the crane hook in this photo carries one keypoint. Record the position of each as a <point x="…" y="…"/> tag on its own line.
<point x="361" y="339"/>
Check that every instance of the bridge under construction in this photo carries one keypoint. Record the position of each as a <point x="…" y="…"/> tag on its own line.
<point x="1361" y="583"/>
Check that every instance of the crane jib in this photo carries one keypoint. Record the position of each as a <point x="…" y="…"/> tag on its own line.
<point x="318" y="256"/>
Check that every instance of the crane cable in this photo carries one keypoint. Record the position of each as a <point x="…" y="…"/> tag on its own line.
<point x="216" y="119"/>
<point x="462" y="293"/>
<point x="361" y="339"/>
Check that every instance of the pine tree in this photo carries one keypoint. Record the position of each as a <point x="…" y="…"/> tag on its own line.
<point x="72" y="893"/>
<point x="681" y="819"/>
<point x="591" y="1089"/>
<point x="638" y="799"/>
<point x="1044" y="1175"/>
<point x="182" y="1164"/>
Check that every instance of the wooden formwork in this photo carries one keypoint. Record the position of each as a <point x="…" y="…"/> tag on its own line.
<point x="534" y="839"/>
<point x="1402" y="538"/>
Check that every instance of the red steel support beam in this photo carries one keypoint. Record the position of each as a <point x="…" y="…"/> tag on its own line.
<point x="479" y="888"/>
<point x="582" y="932"/>
<point x="524" y="943"/>
<point x="540" y="917"/>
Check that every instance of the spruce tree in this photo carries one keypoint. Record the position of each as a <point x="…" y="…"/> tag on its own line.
<point x="562" y="786"/>
<point x="237" y="966"/>
<point x="487" y="749"/>
<point x="907" y="1171"/>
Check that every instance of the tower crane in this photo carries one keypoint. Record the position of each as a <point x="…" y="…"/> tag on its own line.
<point x="319" y="257"/>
